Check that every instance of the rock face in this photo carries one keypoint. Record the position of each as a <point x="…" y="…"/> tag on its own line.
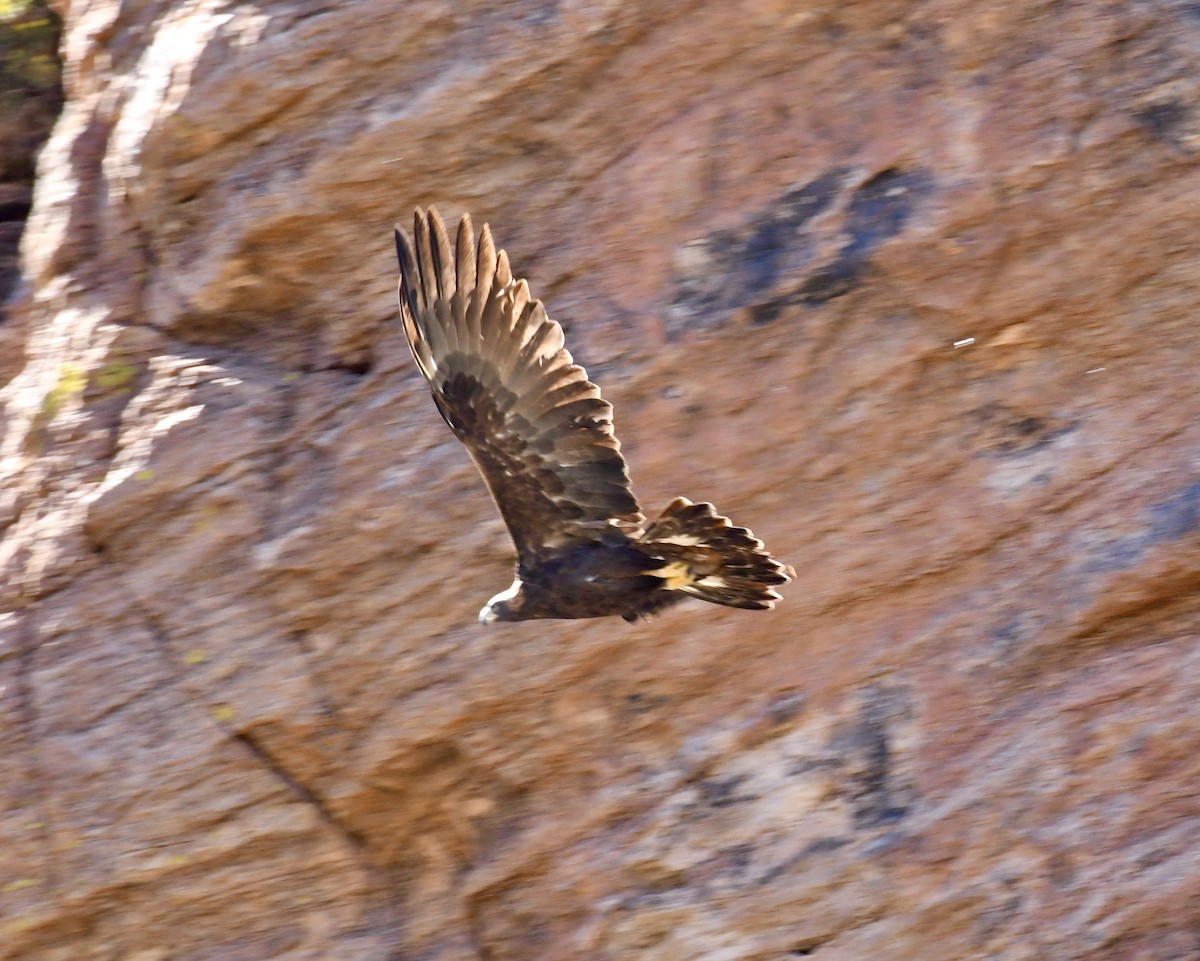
<point x="909" y="288"/>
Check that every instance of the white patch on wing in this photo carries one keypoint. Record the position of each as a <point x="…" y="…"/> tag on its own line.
<point x="681" y="540"/>
<point x="713" y="581"/>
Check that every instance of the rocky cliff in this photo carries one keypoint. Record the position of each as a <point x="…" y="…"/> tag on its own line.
<point x="910" y="288"/>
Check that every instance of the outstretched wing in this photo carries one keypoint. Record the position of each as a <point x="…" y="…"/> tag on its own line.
<point x="535" y="426"/>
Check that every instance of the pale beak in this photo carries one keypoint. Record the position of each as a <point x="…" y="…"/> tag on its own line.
<point x="487" y="615"/>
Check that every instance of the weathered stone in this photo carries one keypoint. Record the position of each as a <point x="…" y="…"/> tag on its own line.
<point x="907" y="288"/>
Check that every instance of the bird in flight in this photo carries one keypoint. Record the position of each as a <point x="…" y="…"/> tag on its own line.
<point x="543" y="440"/>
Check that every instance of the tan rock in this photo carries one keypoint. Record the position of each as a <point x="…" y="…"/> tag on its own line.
<point x="910" y="289"/>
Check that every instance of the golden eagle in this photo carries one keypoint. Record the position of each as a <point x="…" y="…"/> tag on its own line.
<point x="543" y="440"/>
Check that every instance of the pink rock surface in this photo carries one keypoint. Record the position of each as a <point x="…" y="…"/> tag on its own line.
<point x="909" y="288"/>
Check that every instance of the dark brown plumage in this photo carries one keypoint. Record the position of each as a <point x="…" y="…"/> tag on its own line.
<point x="543" y="440"/>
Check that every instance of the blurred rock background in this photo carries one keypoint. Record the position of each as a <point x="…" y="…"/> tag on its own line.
<point x="30" y="99"/>
<point x="908" y="286"/>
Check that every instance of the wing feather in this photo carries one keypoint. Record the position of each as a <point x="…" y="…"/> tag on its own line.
<point x="424" y="262"/>
<point x="464" y="258"/>
<point x="503" y="380"/>
<point x="443" y="258"/>
<point x="542" y="342"/>
<point x="485" y="272"/>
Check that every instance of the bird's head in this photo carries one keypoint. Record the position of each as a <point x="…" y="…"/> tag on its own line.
<point x="505" y="606"/>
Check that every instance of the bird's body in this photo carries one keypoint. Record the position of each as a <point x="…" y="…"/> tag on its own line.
<point x="543" y="440"/>
<point x="594" y="580"/>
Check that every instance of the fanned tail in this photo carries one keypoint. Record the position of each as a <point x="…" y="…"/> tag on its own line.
<point x="705" y="556"/>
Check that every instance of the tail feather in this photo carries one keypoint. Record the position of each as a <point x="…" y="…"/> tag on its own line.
<point x="704" y="555"/>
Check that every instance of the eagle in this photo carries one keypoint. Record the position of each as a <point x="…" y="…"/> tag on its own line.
<point x="543" y="440"/>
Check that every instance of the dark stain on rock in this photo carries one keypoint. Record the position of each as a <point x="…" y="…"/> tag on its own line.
<point x="723" y="793"/>
<point x="1019" y="628"/>
<point x="808" y="765"/>
<point x="780" y="240"/>
<point x="1166" y="122"/>
<point x="872" y="801"/>
<point x="356" y="367"/>
<point x="1004" y="431"/>
<point x="768" y="266"/>
<point x="818" y="846"/>
<point x="1175" y="517"/>
<point x="1107" y="554"/>
<point x="878" y="211"/>
<point x="839" y="278"/>
<point x="731" y="863"/>
<point x="736" y="269"/>
<point x="877" y="793"/>
<point x="1169" y="520"/>
<point x="880" y="208"/>
<point x="787" y="707"/>
<point x="641" y="702"/>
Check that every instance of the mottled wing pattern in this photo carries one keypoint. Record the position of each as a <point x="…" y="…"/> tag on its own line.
<point x="706" y="556"/>
<point x="535" y="426"/>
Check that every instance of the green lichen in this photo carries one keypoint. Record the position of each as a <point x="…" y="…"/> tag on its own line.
<point x="28" y="47"/>
<point x="71" y="381"/>
<point x="115" y="376"/>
